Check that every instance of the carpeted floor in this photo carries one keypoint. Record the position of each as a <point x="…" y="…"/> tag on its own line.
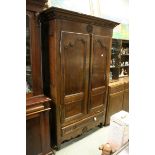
<point x="86" y="144"/>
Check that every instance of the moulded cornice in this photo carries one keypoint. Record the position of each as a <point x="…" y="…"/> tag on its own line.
<point x="57" y="13"/>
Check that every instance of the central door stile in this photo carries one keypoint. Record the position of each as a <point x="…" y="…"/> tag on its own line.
<point x="62" y="117"/>
<point x="90" y="73"/>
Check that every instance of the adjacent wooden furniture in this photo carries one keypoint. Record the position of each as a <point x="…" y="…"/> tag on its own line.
<point x="118" y="97"/>
<point x="37" y="126"/>
<point x="118" y="90"/>
<point x="126" y="97"/>
<point x="76" y="59"/>
<point x="37" y="105"/>
<point x="119" y="66"/>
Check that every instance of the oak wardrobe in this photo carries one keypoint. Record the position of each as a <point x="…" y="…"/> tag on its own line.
<point x="76" y="57"/>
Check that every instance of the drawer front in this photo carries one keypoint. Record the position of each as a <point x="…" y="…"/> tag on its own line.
<point x="82" y="126"/>
<point x="116" y="88"/>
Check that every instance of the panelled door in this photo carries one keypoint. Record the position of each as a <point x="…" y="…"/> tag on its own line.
<point x="98" y="81"/>
<point x="75" y="49"/>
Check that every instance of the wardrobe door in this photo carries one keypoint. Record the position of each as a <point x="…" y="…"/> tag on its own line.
<point x="74" y="73"/>
<point x="98" y="81"/>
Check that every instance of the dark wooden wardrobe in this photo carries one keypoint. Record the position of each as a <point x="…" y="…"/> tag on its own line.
<point x="76" y="55"/>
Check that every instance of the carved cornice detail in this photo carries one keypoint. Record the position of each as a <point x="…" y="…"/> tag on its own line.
<point x="101" y="44"/>
<point x="71" y="44"/>
<point x="89" y="28"/>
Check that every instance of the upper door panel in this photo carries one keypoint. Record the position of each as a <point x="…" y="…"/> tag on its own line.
<point x="75" y="67"/>
<point x="100" y="49"/>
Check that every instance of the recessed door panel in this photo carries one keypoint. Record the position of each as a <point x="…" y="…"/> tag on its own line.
<point x="98" y="75"/>
<point x="75" y="67"/>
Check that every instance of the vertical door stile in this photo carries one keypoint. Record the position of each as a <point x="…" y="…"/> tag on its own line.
<point x="86" y="75"/>
<point x="61" y="105"/>
<point x="90" y="72"/>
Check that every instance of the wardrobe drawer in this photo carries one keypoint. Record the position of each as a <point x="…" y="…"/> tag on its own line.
<point x="84" y="124"/>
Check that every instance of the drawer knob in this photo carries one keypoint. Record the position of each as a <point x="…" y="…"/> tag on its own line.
<point x="95" y="119"/>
